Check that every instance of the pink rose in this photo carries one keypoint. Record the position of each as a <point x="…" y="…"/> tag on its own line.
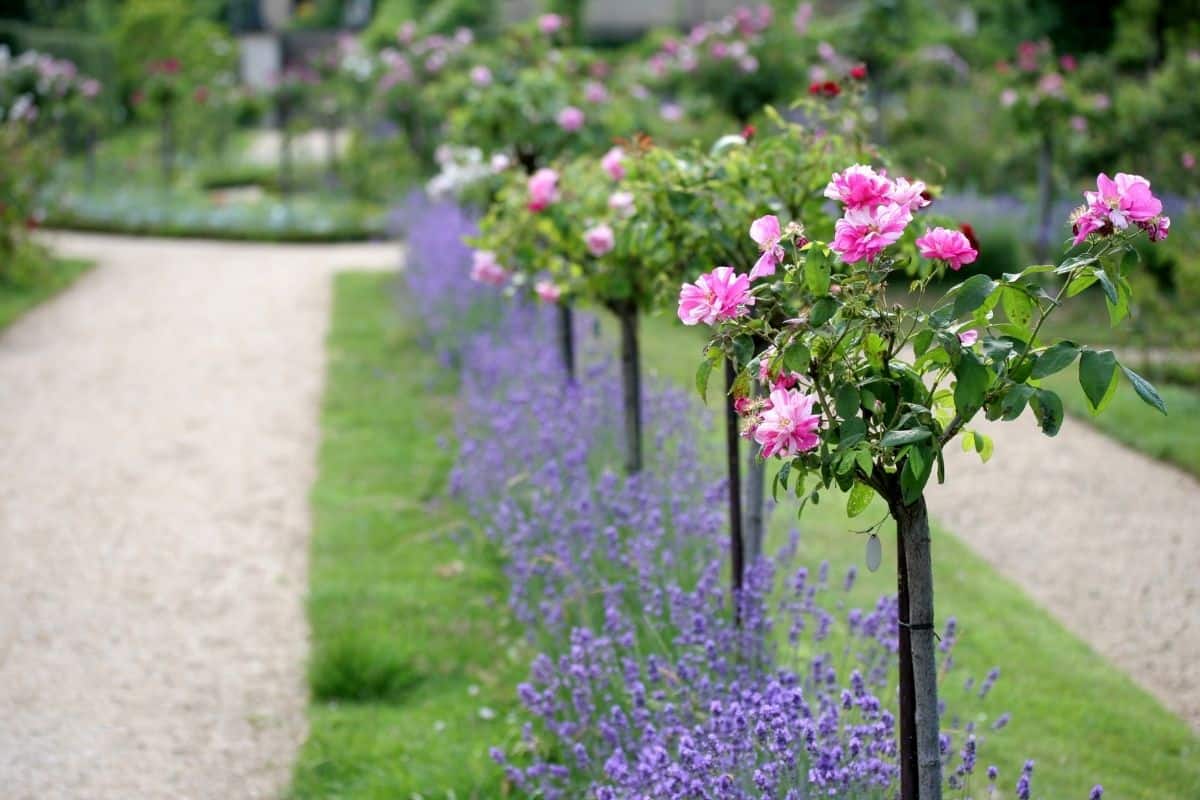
<point x="943" y="244"/>
<point x="599" y="240"/>
<point x="789" y="426"/>
<point x="612" y="162"/>
<point x="485" y="270"/>
<point x="766" y="234"/>
<point x="547" y="291"/>
<point x="866" y="232"/>
<point x="715" y="296"/>
<point x="571" y="119"/>
<point x="543" y="188"/>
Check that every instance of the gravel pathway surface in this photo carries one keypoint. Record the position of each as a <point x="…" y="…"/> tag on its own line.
<point x="1105" y="538"/>
<point x="160" y="426"/>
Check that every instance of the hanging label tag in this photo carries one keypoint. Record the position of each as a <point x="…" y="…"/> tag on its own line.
<point x="874" y="552"/>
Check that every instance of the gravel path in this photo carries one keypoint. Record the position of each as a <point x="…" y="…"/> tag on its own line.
<point x="1104" y="537"/>
<point x="160" y="425"/>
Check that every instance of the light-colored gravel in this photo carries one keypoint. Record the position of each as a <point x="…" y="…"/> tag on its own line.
<point x="159" y="424"/>
<point x="1105" y="538"/>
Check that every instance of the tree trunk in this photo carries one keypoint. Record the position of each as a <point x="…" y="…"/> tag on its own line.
<point x="733" y="461"/>
<point x="912" y="526"/>
<point x="908" y="699"/>
<point x="631" y="380"/>
<point x="566" y="334"/>
<point x="1045" y="197"/>
<point x="753" y="499"/>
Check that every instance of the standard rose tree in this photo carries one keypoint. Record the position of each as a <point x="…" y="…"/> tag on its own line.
<point x="865" y="395"/>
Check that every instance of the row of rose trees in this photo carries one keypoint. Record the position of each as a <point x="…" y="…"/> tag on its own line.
<point x="847" y="389"/>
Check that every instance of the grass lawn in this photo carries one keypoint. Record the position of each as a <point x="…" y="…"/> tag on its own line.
<point x="1080" y="717"/>
<point x="16" y="300"/>
<point x="414" y="658"/>
<point x="407" y="617"/>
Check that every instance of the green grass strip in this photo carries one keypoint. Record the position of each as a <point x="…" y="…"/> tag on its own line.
<point x="57" y="275"/>
<point x="414" y="657"/>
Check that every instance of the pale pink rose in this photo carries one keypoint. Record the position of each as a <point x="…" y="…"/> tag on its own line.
<point x="789" y="426"/>
<point x="571" y="119"/>
<point x="859" y="186"/>
<point x="1008" y="98"/>
<point x="866" y="232"/>
<point x="543" y="188"/>
<point x="719" y="50"/>
<point x="481" y="75"/>
<point x="968" y="338"/>
<point x="595" y="92"/>
<point x="671" y="112"/>
<point x="911" y="195"/>
<point x="802" y="17"/>
<point x="715" y="296"/>
<point x="90" y="87"/>
<point x="500" y="162"/>
<point x="1079" y="123"/>
<point x="484" y="269"/>
<point x="1051" y="84"/>
<point x="547" y="291"/>
<point x="599" y="239"/>
<point x="551" y="23"/>
<point x="1102" y="102"/>
<point x="613" y="163"/>
<point x="766" y="234"/>
<point x="943" y="244"/>
<point x="622" y="203"/>
<point x="748" y="64"/>
<point x="1188" y="161"/>
<point x="406" y="32"/>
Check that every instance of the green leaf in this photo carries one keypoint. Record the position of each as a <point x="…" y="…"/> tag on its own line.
<point x="980" y="443"/>
<point x="922" y="341"/>
<point x="1049" y="410"/>
<point x="860" y="497"/>
<point x="822" y="311"/>
<point x="816" y="272"/>
<point x="1055" y="359"/>
<point x="1097" y="374"/>
<point x="1110" y="291"/>
<point x="915" y="474"/>
<point x="851" y="432"/>
<point x="901" y="438"/>
<point x="862" y="457"/>
<point x="1145" y="389"/>
<point x="1014" y="401"/>
<point x="972" y="293"/>
<point x="1018" y="306"/>
<point x="846" y="402"/>
<point x="971" y="384"/>
<point x="1079" y="283"/>
<point x="1119" y="310"/>
<point x="797" y="357"/>
<point x="702" y="374"/>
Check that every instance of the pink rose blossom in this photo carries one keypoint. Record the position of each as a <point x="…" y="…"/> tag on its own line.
<point x="1157" y="229"/>
<point x="1068" y="63"/>
<point x="789" y="426"/>
<point x="595" y="92"/>
<point x="1008" y="98"/>
<point x="1079" y="123"/>
<point x="719" y="50"/>
<point x="543" y="188"/>
<point x="622" y="203"/>
<point x="1118" y="202"/>
<point x="910" y="195"/>
<point x="550" y="23"/>
<point x="715" y="296"/>
<point x="599" y="240"/>
<point x="748" y="64"/>
<point x="1051" y="84"/>
<point x="968" y="338"/>
<point x="1188" y="161"/>
<point x="671" y="112"/>
<point x="784" y="380"/>
<point x="481" y="75"/>
<point x="943" y="244"/>
<point x="866" y="232"/>
<point x="571" y="119"/>
<point x="859" y="186"/>
<point x="612" y="162"/>
<point x="500" y="162"/>
<point x="547" y="291"/>
<point x="484" y="269"/>
<point x="766" y="234"/>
